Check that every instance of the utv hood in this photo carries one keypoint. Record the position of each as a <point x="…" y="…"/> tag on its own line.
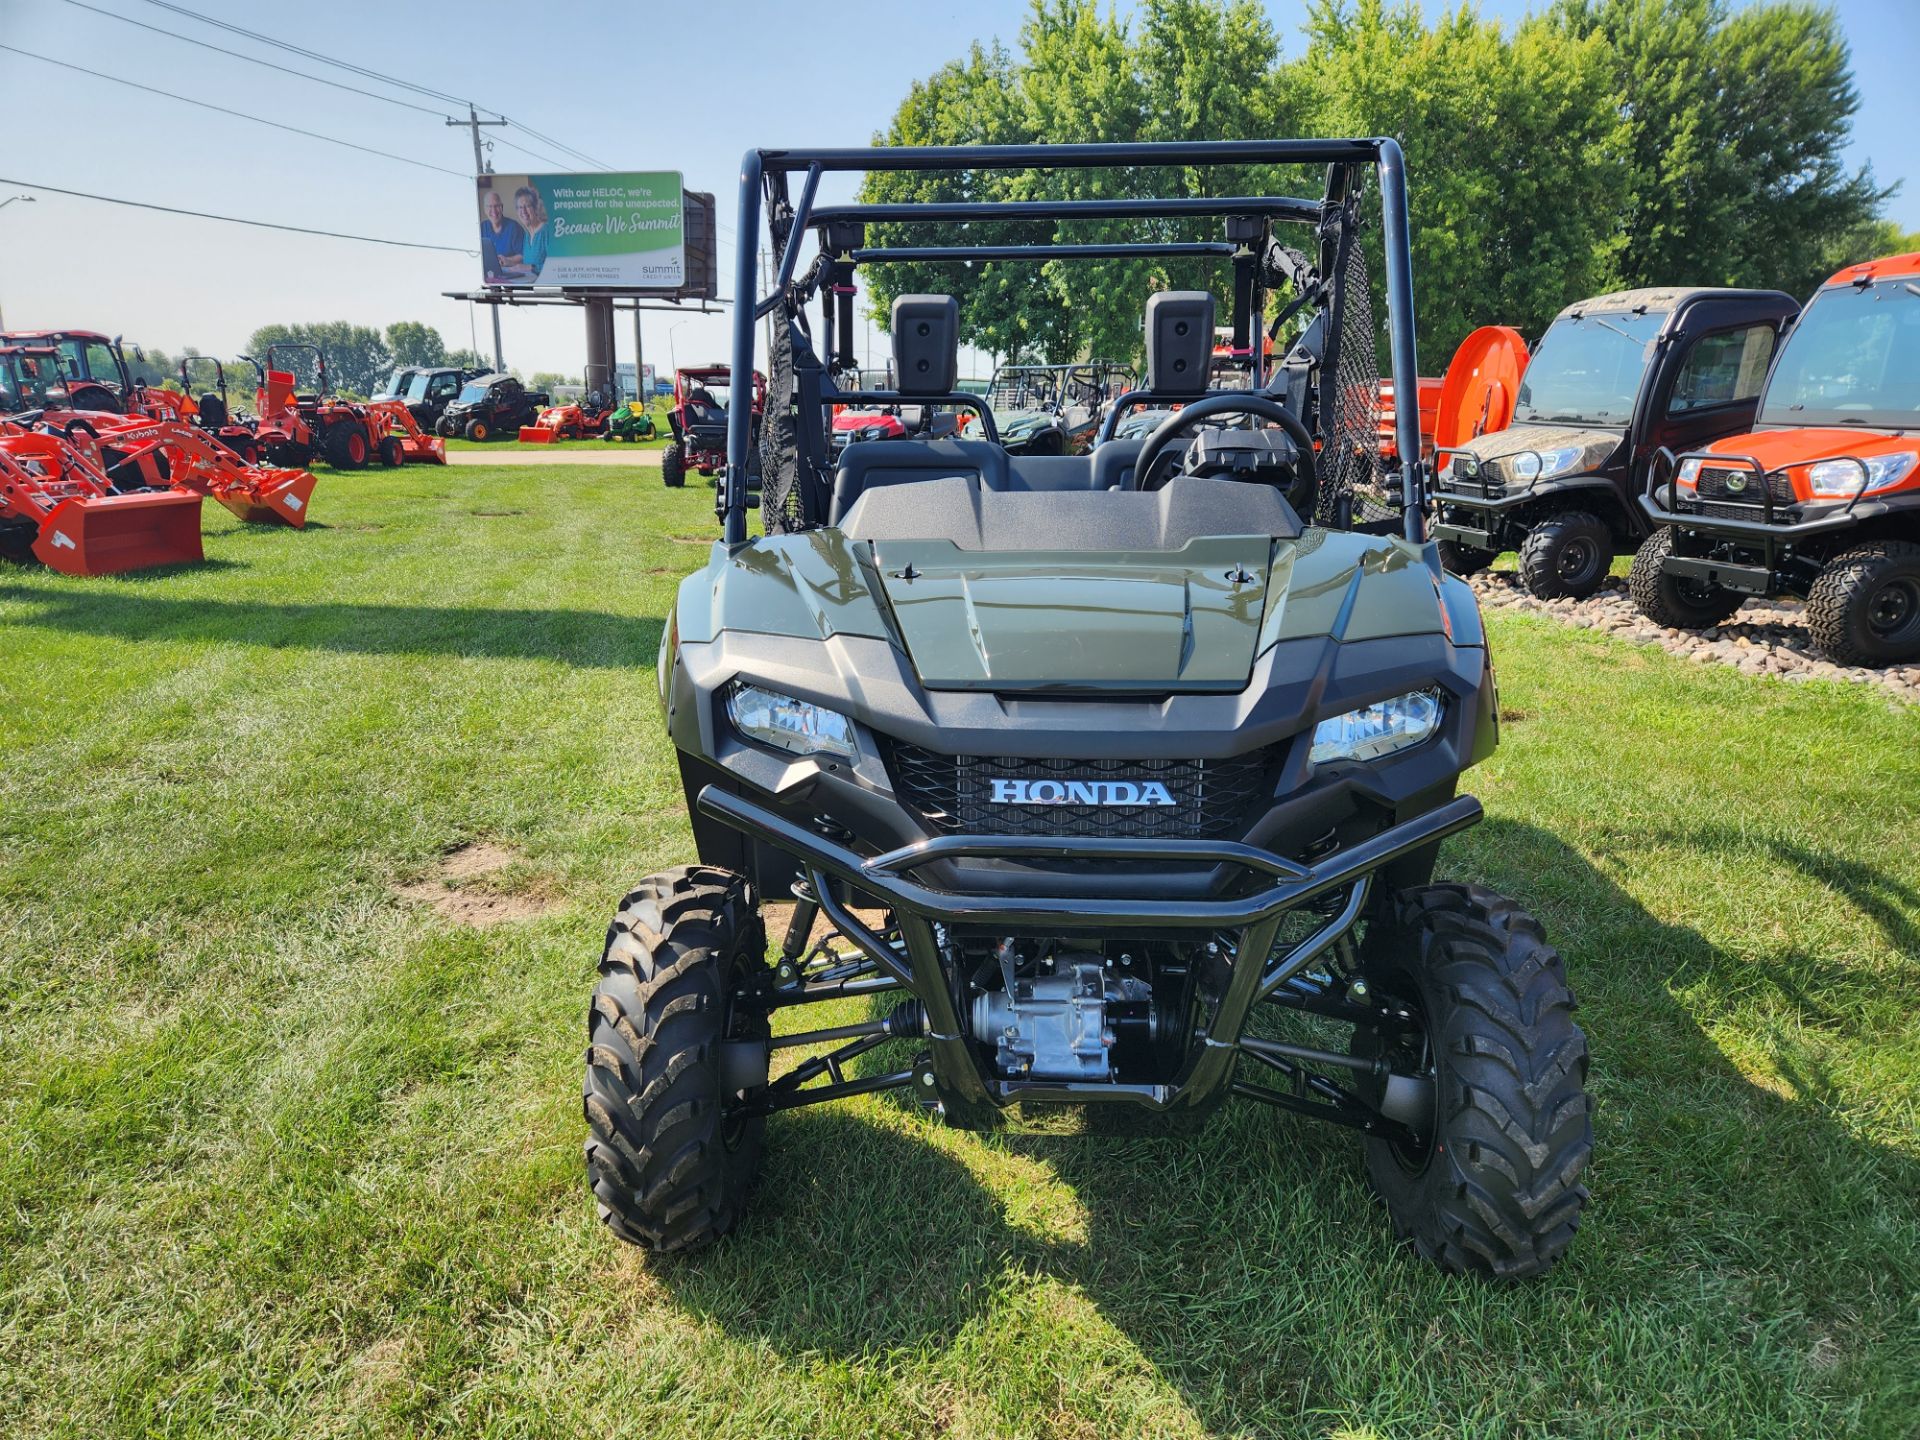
<point x="1192" y="618"/>
<point x="1184" y="620"/>
<point x="1594" y="444"/>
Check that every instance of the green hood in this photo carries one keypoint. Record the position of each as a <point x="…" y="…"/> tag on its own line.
<point x="1192" y="619"/>
<point x="1186" y="619"/>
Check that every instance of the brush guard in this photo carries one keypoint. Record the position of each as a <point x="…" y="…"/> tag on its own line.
<point x="1335" y="887"/>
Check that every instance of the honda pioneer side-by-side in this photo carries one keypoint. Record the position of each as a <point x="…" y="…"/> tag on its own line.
<point x="1615" y="380"/>
<point x="1117" y="779"/>
<point x="1822" y="498"/>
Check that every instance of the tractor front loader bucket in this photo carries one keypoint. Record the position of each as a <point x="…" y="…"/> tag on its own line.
<point x="417" y="447"/>
<point x="268" y="496"/>
<point x="106" y="534"/>
<point x="538" y="435"/>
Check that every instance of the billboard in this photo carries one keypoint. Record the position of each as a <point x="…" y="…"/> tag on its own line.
<point x="617" y="231"/>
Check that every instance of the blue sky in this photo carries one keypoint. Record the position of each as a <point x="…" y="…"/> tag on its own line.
<point x="651" y="85"/>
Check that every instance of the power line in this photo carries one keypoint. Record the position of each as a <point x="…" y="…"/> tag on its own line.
<point x="307" y="54"/>
<point x="548" y="159"/>
<point x="370" y="74"/>
<point x="253" y="59"/>
<point x="237" y="220"/>
<point x="223" y="110"/>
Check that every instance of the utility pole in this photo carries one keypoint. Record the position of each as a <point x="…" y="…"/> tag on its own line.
<point x="639" y="359"/>
<point x="481" y="167"/>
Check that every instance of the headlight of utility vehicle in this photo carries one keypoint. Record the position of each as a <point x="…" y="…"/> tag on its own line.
<point x="1376" y="730"/>
<point x="785" y="723"/>
<point x="1531" y="465"/>
<point x="1840" y="479"/>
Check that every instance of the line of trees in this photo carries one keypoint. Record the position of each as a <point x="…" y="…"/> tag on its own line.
<point x="359" y="358"/>
<point x="1601" y="144"/>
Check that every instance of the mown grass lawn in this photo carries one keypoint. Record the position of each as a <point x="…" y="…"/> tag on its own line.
<point x="283" y="1152"/>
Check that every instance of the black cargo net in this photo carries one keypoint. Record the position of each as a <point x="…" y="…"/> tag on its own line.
<point x="782" y="499"/>
<point x="1353" y="479"/>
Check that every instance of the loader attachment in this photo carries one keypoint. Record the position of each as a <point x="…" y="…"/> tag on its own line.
<point x="106" y="534"/>
<point x="81" y="527"/>
<point x="417" y="447"/>
<point x="538" y="435"/>
<point x="269" y="496"/>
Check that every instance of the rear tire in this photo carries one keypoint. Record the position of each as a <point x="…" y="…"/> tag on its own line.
<point x="1670" y="601"/>
<point x="1864" y="607"/>
<point x="346" y="445"/>
<point x="1495" y="1189"/>
<point x="669" y="1169"/>
<point x="1566" y="556"/>
<point x="673" y="465"/>
<point x="1463" y="559"/>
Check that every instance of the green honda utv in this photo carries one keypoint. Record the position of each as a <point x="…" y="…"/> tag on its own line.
<point x="1115" y="781"/>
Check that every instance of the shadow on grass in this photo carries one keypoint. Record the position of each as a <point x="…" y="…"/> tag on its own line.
<point x="1242" y="1263"/>
<point x="590" y="639"/>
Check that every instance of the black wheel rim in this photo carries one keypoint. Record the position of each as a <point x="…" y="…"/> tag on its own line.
<point x="1576" y="559"/>
<point x="1893" y="611"/>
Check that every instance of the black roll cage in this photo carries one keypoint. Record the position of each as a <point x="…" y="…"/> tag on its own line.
<point x="764" y="186"/>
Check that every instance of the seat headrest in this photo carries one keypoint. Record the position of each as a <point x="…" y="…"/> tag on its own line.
<point x="1179" y="341"/>
<point x="926" y="344"/>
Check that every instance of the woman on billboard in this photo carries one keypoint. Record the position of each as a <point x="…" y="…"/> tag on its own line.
<point x="533" y="221"/>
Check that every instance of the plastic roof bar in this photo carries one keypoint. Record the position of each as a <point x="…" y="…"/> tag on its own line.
<point x="762" y="171"/>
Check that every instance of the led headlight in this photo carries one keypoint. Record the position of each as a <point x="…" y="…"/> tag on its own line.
<point x="1840" y="479"/>
<point x="785" y="723"/>
<point x="1376" y="730"/>
<point x="1531" y="465"/>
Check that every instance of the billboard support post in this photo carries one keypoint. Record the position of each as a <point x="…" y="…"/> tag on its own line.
<point x="599" y="371"/>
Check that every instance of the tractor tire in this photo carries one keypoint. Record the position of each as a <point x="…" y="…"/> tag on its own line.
<point x="1864" y="607"/>
<point x="1670" y="601"/>
<point x="479" y="431"/>
<point x="1495" y="1189"/>
<point x="1464" y="559"/>
<point x="346" y="445"/>
<point x="669" y="1169"/>
<point x="1566" y="556"/>
<point x="673" y="465"/>
<point x="392" y="453"/>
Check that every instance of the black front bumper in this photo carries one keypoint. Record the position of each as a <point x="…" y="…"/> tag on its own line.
<point x="1270" y="888"/>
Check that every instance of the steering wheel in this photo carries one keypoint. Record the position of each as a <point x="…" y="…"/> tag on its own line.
<point x="1160" y="441"/>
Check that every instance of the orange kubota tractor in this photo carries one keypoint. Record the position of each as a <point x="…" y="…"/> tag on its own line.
<point x="293" y="428"/>
<point x="57" y="507"/>
<point x="568" y="422"/>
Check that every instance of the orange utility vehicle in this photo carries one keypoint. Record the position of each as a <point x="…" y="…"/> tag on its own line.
<point x="1822" y="498"/>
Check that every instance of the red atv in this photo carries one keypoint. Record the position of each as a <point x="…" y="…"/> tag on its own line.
<point x="1822" y="499"/>
<point x="699" y="421"/>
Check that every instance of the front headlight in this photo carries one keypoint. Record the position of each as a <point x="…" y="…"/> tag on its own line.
<point x="1531" y="465"/>
<point x="1689" y="476"/>
<point x="1376" y="730"/>
<point x="1840" y="479"/>
<point x="796" y="726"/>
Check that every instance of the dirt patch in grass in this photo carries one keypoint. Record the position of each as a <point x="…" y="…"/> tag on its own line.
<point x="496" y="514"/>
<point x="468" y="887"/>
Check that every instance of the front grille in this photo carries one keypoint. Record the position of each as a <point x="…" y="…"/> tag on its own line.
<point x="1712" y="485"/>
<point x="952" y="793"/>
<point x="1715" y="511"/>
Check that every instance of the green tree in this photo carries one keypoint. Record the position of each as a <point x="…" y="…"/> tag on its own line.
<point x="551" y="380"/>
<point x="1735" y="125"/>
<point x="357" y="357"/>
<point x="1515" y="156"/>
<point x="411" y="343"/>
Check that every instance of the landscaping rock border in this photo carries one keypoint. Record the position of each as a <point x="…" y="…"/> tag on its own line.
<point x="1767" y="638"/>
